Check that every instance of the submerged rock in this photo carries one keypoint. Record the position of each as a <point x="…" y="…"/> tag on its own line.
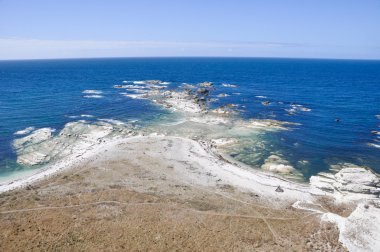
<point x="276" y="164"/>
<point x="267" y="124"/>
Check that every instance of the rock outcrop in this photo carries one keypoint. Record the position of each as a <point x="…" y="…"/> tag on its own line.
<point x="355" y="180"/>
<point x="41" y="146"/>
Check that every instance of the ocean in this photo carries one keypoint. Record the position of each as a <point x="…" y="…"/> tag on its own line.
<point x="334" y="104"/>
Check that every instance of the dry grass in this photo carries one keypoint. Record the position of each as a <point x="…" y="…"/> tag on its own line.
<point x="121" y="219"/>
<point x="123" y="206"/>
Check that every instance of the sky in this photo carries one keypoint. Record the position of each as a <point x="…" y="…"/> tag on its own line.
<point x="37" y="29"/>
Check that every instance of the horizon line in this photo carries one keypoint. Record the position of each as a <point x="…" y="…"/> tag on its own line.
<point x="178" y="57"/>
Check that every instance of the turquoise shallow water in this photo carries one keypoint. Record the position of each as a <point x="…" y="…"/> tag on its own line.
<point x="48" y="93"/>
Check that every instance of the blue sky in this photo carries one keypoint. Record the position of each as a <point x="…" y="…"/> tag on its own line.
<point x="248" y="28"/>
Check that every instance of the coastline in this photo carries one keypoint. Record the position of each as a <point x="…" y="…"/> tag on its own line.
<point x="193" y="164"/>
<point x="236" y="169"/>
<point x="160" y="161"/>
<point x="172" y="175"/>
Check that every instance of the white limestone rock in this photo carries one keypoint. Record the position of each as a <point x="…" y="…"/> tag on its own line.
<point x="276" y="164"/>
<point x="41" y="146"/>
<point x="35" y="137"/>
<point x="357" y="180"/>
<point x="359" y="231"/>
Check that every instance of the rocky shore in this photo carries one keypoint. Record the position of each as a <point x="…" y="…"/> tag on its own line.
<point x="182" y="176"/>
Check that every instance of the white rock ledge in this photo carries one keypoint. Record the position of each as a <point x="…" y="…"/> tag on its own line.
<point x="353" y="182"/>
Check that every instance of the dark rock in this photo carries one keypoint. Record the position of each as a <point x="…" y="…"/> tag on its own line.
<point x="279" y="189"/>
<point x="202" y="91"/>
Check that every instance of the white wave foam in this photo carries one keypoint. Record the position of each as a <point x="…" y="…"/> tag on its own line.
<point x="86" y="115"/>
<point x="229" y="85"/>
<point x="24" y="131"/>
<point x="151" y="82"/>
<point x="134" y="86"/>
<point x="261" y="96"/>
<point x="90" y="91"/>
<point x="112" y="121"/>
<point x="296" y="107"/>
<point x="136" y="90"/>
<point x="291" y="111"/>
<point x="374" y="145"/>
<point x="139" y="82"/>
<point x="135" y="96"/>
<point x="93" y="96"/>
<point x="305" y="109"/>
<point x="377" y="116"/>
<point x="83" y="115"/>
<point x="222" y="95"/>
<point x="157" y="87"/>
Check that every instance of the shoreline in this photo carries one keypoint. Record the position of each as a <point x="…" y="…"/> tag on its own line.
<point x="160" y="161"/>
<point x="196" y="165"/>
<point x="146" y="193"/>
<point x="70" y="162"/>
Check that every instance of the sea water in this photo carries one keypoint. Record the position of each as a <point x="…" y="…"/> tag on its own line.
<point x="335" y="104"/>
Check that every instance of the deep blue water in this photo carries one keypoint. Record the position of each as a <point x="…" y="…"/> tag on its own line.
<point x="44" y="93"/>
